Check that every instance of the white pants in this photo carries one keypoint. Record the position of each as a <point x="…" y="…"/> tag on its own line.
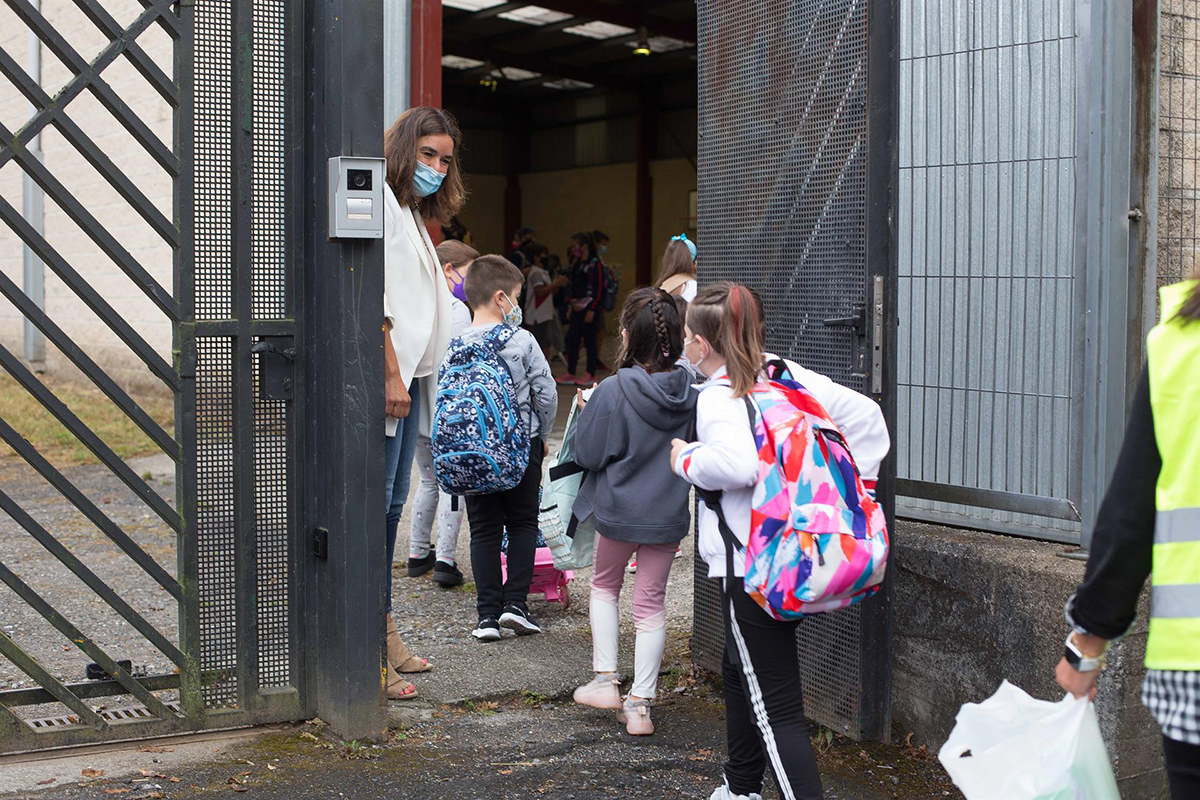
<point x="430" y="503"/>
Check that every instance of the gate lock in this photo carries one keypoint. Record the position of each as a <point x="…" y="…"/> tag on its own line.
<point x="276" y="355"/>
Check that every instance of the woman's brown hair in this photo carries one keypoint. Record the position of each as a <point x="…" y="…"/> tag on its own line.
<point x="456" y="254"/>
<point x="653" y="331"/>
<point x="400" y="150"/>
<point x="726" y="315"/>
<point x="676" y="260"/>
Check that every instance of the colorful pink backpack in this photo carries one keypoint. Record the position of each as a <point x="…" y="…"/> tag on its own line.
<point x="818" y="540"/>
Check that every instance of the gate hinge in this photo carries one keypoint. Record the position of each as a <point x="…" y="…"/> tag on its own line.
<point x="1136" y="214"/>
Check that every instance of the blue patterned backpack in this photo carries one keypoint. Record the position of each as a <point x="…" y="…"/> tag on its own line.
<point x="480" y="443"/>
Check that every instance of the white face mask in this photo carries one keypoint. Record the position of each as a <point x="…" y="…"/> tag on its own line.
<point x="695" y="365"/>
<point x="513" y="316"/>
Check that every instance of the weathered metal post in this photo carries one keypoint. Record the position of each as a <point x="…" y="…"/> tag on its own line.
<point x="342" y="345"/>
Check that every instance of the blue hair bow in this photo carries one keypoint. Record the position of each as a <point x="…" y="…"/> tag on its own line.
<point x="691" y="246"/>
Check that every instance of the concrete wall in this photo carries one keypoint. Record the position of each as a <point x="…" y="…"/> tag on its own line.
<point x="973" y="609"/>
<point x="86" y="184"/>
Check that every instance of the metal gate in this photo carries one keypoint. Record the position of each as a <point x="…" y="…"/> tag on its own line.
<point x="797" y="174"/>
<point x="230" y="81"/>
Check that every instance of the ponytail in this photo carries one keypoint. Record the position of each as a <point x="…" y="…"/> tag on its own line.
<point x="727" y="315"/>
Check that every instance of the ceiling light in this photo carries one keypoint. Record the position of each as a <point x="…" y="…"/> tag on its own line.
<point x="488" y="79"/>
<point x="643" y="44"/>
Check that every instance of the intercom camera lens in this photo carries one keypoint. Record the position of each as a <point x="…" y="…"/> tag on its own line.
<point x="358" y="179"/>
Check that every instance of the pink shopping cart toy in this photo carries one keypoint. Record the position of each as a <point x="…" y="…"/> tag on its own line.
<point x="547" y="580"/>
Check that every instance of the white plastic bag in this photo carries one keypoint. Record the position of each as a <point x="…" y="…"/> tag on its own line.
<point x="1026" y="749"/>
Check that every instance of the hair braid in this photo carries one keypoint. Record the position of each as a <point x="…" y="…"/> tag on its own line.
<point x="660" y="327"/>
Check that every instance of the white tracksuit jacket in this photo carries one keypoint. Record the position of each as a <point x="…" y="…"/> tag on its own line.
<point x="724" y="457"/>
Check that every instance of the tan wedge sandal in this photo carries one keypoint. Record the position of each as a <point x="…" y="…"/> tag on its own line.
<point x="398" y="655"/>
<point x="398" y="688"/>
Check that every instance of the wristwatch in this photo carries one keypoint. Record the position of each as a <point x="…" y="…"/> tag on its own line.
<point x="1078" y="660"/>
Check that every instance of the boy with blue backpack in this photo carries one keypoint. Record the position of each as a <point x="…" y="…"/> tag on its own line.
<point x="495" y="406"/>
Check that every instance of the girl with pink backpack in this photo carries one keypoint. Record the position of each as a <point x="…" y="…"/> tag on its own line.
<point x="739" y="411"/>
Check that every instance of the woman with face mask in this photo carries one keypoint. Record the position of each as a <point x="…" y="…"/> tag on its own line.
<point x="423" y="186"/>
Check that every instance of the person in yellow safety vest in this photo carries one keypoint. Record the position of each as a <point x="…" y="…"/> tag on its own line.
<point x="1149" y="524"/>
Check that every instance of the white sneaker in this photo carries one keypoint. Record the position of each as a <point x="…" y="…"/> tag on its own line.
<point x="635" y="713"/>
<point x="601" y="692"/>
<point x="724" y="794"/>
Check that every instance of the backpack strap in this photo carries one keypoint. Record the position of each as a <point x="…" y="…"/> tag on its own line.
<point x="498" y="336"/>
<point x="674" y="284"/>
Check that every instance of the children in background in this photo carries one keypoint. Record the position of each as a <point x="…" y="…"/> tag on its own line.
<point x="492" y="286"/>
<point x="429" y="504"/>
<point x="622" y="437"/>
<point x="764" y="708"/>
<point x="678" y="273"/>
<point x="540" y="317"/>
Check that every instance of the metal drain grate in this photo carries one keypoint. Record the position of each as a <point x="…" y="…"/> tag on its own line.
<point x="113" y="716"/>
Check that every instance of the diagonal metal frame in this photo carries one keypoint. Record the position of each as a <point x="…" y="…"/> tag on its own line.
<point x="145" y="65"/>
<point x="88" y="149"/>
<point x="10" y="723"/>
<point x="88" y="224"/>
<point x="27" y="664"/>
<point x="89" y="509"/>
<point x="167" y="18"/>
<point x="84" y="643"/>
<point x="90" y="579"/>
<point x="88" y="75"/>
<point x="80" y="359"/>
<point x="89" y="439"/>
<point x="116" y="323"/>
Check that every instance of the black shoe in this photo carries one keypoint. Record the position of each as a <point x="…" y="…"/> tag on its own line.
<point x="419" y="566"/>
<point x="447" y="575"/>
<point x="516" y="618"/>
<point x="488" y="630"/>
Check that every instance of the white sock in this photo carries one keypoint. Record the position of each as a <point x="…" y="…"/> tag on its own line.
<point x="606" y="623"/>
<point x="647" y="659"/>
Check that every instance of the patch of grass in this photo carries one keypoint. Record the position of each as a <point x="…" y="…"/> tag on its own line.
<point x="533" y="699"/>
<point x="466" y="588"/>
<point x="823" y="739"/>
<point x="485" y="708"/>
<point x="677" y="675"/>
<point x="21" y="410"/>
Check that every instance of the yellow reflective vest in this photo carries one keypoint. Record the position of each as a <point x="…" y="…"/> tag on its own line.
<point x="1173" y="352"/>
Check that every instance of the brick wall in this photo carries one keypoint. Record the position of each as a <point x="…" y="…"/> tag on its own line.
<point x="87" y="185"/>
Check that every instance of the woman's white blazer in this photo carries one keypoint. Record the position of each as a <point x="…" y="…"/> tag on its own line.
<point x="416" y="301"/>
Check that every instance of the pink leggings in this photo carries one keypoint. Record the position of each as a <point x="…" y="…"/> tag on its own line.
<point x="649" y="583"/>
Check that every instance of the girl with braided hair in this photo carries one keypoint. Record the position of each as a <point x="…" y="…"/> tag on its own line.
<point x="623" y="438"/>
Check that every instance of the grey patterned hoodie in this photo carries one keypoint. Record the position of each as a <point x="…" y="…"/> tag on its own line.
<point x="623" y="437"/>
<point x="537" y="394"/>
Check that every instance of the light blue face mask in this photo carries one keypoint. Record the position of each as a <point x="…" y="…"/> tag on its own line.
<point x="514" y="315"/>
<point x="427" y="180"/>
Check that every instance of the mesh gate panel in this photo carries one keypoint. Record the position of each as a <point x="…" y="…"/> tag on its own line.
<point x="272" y="489"/>
<point x="215" y="518"/>
<point x="213" y="200"/>
<point x="245" y="493"/>
<point x="782" y="208"/>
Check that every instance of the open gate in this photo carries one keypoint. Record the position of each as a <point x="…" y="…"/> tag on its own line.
<point x="797" y="178"/>
<point x="231" y="81"/>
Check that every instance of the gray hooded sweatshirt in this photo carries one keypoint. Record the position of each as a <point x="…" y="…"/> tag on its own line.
<point x="623" y="437"/>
